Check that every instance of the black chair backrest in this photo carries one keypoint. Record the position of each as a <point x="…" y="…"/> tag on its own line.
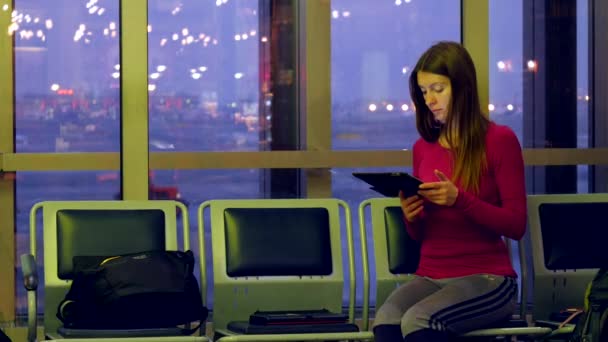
<point x="277" y="241"/>
<point x="403" y="251"/>
<point x="575" y="235"/>
<point x="101" y="232"/>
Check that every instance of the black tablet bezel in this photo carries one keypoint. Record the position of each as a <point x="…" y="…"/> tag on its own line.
<point x="390" y="183"/>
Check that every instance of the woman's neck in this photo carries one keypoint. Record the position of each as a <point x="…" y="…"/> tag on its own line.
<point x="443" y="136"/>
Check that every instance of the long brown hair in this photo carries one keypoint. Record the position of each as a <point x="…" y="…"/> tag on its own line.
<point x="466" y="125"/>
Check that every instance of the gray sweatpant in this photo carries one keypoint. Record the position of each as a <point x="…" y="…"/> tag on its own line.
<point x="457" y="305"/>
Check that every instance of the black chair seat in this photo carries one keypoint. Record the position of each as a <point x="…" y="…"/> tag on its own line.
<point x="100" y="333"/>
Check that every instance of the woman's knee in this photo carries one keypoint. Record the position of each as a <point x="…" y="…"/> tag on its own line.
<point x="389" y="314"/>
<point x="417" y="318"/>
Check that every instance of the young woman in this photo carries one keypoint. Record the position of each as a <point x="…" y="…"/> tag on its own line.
<point x="473" y="195"/>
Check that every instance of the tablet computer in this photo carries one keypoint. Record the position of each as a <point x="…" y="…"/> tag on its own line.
<point x="389" y="183"/>
<point x="296" y="317"/>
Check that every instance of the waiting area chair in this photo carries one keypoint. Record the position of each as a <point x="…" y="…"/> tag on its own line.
<point x="96" y="228"/>
<point x="396" y="257"/>
<point x="280" y="255"/>
<point x="568" y="234"/>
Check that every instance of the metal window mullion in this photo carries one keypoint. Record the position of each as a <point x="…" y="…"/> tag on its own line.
<point x="7" y="186"/>
<point x="598" y="87"/>
<point x="72" y="161"/>
<point x="348" y="159"/>
<point x="134" y="98"/>
<point x="315" y="58"/>
<point x="275" y="159"/>
<point x="475" y="36"/>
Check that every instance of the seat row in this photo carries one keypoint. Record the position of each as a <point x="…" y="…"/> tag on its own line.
<point x="276" y="255"/>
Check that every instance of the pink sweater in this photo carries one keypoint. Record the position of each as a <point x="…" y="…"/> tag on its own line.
<point x="466" y="238"/>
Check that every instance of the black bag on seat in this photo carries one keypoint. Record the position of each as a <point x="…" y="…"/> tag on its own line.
<point x="137" y="291"/>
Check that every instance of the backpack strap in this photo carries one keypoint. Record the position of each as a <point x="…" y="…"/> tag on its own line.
<point x="575" y="313"/>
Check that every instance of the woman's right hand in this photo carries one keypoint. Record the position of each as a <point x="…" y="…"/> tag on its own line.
<point x="411" y="206"/>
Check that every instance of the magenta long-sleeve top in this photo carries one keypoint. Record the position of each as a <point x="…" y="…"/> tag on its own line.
<point x="466" y="238"/>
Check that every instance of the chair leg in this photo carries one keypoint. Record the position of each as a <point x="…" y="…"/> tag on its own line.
<point x="426" y="335"/>
<point x="473" y="339"/>
<point x="387" y="333"/>
<point x="3" y="337"/>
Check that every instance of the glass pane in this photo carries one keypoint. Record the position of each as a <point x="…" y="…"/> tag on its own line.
<point x="532" y="83"/>
<point x="506" y="65"/>
<point x="582" y="73"/>
<point x="582" y="91"/>
<point x="204" y="75"/>
<point x="66" y="76"/>
<point x="222" y="78"/>
<point x="370" y="64"/>
<point x="34" y="187"/>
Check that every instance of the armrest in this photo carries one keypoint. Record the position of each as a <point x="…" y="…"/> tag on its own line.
<point x="547" y="324"/>
<point x="30" y="272"/>
<point x="30" y="281"/>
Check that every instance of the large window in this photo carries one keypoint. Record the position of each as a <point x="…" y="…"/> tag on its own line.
<point x="66" y="100"/>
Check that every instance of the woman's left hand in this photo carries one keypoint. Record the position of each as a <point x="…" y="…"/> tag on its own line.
<point x="443" y="192"/>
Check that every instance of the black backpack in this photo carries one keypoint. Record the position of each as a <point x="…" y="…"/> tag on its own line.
<point x="592" y="327"/>
<point x="146" y="290"/>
